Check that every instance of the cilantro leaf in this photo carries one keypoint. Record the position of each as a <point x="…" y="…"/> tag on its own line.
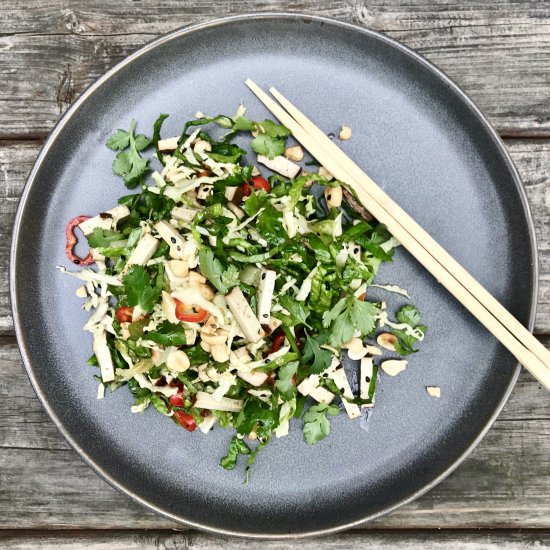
<point x="270" y="140"/>
<point x="167" y="334"/>
<point x="318" y="359"/>
<point x="128" y="163"/>
<point x="272" y="129"/>
<point x="268" y="146"/>
<point x="285" y="382"/>
<point x="404" y="344"/>
<point x="316" y="424"/>
<point x="298" y="311"/>
<point x="256" y="415"/>
<point x="212" y="269"/>
<point x="409" y="315"/>
<point x="243" y="124"/>
<point x="347" y="316"/>
<point x="139" y="289"/>
<point x="142" y="142"/>
<point x="119" y="140"/>
<point x="236" y="447"/>
<point x="100" y="238"/>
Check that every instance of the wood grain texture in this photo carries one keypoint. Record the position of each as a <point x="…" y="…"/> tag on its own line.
<point x="495" y="50"/>
<point x="124" y="540"/>
<point x="532" y="158"/>
<point x="45" y="485"/>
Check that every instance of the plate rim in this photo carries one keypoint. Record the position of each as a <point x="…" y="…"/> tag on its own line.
<point x="197" y="27"/>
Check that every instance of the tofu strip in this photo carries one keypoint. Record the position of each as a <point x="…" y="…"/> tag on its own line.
<point x="265" y="295"/>
<point x="144" y="251"/>
<point x="244" y="315"/>
<point x="341" y="380"/>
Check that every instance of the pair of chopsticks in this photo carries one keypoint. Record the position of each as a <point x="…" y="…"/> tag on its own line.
<point x="470" y="293"/>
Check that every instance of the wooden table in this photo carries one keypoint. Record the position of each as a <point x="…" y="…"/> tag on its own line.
<point x="498" y="51"/>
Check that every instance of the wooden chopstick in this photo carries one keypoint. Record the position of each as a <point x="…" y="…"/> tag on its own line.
<point x="520" y="342"/>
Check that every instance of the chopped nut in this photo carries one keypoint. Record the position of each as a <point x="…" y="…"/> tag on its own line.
<point x="178" y="361"/>
<point x="211" y="326"/>
<point x="243" y="355"/>
<point x="295" y="153"/>
<point x="325" y="173"/>
<point x="206" y="291"/>
<point x="394" y="366"/>
<point x="387" y="340"/>
<point x="220" y="353"/>
<point x="434" y="391"/>
<point x="196" y="278"/>
<point x="345" y="133"/>
<point x="179" y="268"/>
<point x="356" y="350"/>
<point x="252" y="436"/>
<point x="213" y="339"/>
<point x="373" y="350"/>
<point x="81" y="292"/>
<point x="201" y="146"/>
<point x="333" y="196"/>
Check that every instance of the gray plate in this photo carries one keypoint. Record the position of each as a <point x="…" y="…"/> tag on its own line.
<point x="422" y="140"/>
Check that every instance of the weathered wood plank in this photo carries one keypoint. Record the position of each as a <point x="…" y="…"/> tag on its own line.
<point x="51" y="50"/>
<point x="505" y="482"/>
<point x="371" y="540"/>
<point x="531" y="156"/>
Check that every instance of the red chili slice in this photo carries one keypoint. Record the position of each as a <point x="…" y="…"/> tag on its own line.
<point x="186" y="420"/>
<point x="124" y="314"/>
<point x="176" y="400"/>
<point x="72" y="240"/>
<point x="257" y="182"/>
<point x="277" y="342"/>
<point x="198" y="315"/>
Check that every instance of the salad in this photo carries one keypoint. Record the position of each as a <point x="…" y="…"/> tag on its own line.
<point x="224" y="296"/>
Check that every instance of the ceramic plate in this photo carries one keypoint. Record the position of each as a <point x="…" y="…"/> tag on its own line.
<point x="422" y="140"/>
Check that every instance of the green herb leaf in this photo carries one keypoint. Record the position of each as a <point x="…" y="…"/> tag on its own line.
<point x="268" y="146"/>
<point x="409" y="315"/>
<point x="128" y="163"/>
<point x="256" y="415"/>
<point x="119" y="140"/>
<point x="139" y="289"/>
<point x="284" y="382"/>
<point x="100" y="238"/>
<point x="347" y="316"/>
<point x="272" y="129"/>
<point x="197" y="356"/>
<point x="243" y="124"/>
<point x="298" y="311"/>
<point x="316" y="424"/>
<point x="317" y="358"/>
<point x="213" y="270"/>
<point x="167" y="334"/>
<point x="236" y="447"/>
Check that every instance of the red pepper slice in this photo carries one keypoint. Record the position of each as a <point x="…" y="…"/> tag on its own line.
<point x="72" y="240"/>
<point x="124" y="314"/>
<point x="277" y="342"/>
<point x="198" y="315"/>
<point x="177" y="400"/>
<point x="186" y="420"/>
<point x="257" y="182"/>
